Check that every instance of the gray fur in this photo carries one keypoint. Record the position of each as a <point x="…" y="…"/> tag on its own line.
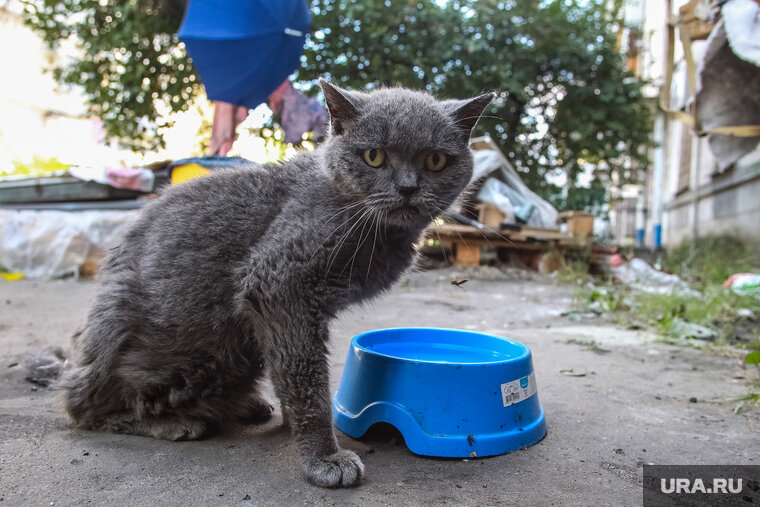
<point x="242" y="270"/>
<point x="44" y="367"/>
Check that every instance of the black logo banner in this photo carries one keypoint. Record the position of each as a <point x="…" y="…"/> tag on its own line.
<point x="686" y="485"/>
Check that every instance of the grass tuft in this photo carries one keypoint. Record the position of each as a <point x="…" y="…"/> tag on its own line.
<point x="716" y="316"/>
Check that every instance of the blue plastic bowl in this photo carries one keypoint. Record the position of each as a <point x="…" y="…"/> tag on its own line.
<point x="450" y="393"/>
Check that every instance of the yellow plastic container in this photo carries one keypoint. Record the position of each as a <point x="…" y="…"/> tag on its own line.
<point x="11" y="277"/>
<point x="186" y="172"/>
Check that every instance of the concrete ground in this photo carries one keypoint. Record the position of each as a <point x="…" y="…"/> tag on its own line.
<point x="631" y="407"/>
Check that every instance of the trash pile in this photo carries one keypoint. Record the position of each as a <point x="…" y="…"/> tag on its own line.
<point x="55" y="244"/>
<point x="504" y="188"/>
<point x="639" y="275"/>
<point x="744" y="284"/>
<point x="642" y="296"/>
<point x="61" y="226"/>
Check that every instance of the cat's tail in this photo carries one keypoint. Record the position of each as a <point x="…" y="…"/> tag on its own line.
<point x="52" y="367"/>
<point x="88" y="388"/>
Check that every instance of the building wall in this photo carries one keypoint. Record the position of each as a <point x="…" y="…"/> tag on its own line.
<point x="724" y="202"/>
<point x="623" y="220"/>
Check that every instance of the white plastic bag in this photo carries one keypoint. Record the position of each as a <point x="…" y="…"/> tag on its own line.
<point x="492" y="163"/>
<point x="494" y="192"/>
<point x="641" y="276"/>
<point x="54" y="244"/>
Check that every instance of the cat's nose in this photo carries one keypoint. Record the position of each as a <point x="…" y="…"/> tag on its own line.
<point x="407" y="190"/>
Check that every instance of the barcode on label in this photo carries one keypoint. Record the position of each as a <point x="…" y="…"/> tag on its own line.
<point x="518" y="390"/>
<point x="511" y="398"/>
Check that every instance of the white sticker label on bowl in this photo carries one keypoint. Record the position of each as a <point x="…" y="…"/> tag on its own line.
<point x="518" y="390"/>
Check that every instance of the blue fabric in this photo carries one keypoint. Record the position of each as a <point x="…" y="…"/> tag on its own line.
<point x="240" y="47"/>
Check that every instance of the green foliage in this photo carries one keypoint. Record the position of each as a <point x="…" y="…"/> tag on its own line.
<point x="717" y="309"/>
<point x="713" y="258"/>
<point x="751" y="399"/>
<point x="724" y="317"/>
<point x="706" y="264"/>
<point x="575" y="271"/>
<point x="743" y="403"/>
<point x="581" y="198"/>
<point x="37" y="167"/>
<point x="131" y="64"/>
<point x="566" y="104"/>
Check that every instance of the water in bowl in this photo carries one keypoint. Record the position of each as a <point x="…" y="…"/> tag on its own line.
<point x="439" y="352"/>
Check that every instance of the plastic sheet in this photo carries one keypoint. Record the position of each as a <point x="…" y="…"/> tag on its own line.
<point x="504" y="183"/>
<point x="727" y="86"/>
<point x="641" y="276"/>
<point x="56" y="244"/>
<point x="497" y="193"/>
<point x="742" y="24"/>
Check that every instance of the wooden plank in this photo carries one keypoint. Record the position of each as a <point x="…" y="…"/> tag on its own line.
<point x="578" y="223"/>
<point x="488" y="233"/>
<point x="545" y="234"/>
<point x="529" y="238"/>
<point x="466" y="254"/>
<point x="468" y="231"/>
<point x="698" y="29"/>
<point x="490" y="215"/>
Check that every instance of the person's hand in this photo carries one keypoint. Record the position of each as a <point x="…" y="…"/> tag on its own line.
<point x="226" y="119"/>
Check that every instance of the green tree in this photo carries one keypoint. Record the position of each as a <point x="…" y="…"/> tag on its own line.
<point x="566" y="104"/>
<point x="131" y="66"/>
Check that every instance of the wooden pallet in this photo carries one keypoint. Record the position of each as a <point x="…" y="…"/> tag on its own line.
<point x="467" y="240"/>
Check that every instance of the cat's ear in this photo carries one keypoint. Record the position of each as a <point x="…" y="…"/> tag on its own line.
<point x="466" y="113"/>
<point x="341" y="104"/>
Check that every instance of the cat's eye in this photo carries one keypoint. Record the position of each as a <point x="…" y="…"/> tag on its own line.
<point x="435" y="161"/>
<point x="374" y="157"/>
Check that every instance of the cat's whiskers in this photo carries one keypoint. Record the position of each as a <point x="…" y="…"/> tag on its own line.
<point x="487" y="227"/>
<point x="372" y="251"/>
<point x="461" y="238"/>
<point x="444" y="211"/>
<point x="336" y="250"/>
<point x="340" y="210"/>
<point x="384" y="230"/>
<point x="437" y="230"/>
<point x="495" y="231"/>
<point x="359" y="246"/>
<point x="486" y="116"/>
<point x="343" y="238"/>
<point x="482" y="116"/>
<point x="356" y="249"/>
<point x="316" y="251"/>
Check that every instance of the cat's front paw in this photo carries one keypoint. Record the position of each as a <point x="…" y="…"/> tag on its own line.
<point x="343" y="469"/>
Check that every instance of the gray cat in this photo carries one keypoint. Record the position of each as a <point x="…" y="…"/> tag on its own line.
<point x="242" y="270"/>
